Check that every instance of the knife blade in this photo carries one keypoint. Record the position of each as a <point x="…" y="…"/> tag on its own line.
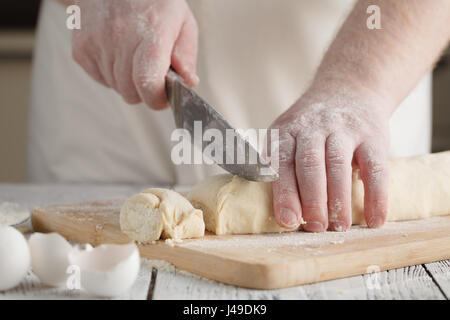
<point x="191" y="111"/>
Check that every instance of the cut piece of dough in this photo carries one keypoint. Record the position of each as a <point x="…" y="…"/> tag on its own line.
<point x="156" y="213"/>
<point x="419" y="187"/>
<point x="233" y="205"/>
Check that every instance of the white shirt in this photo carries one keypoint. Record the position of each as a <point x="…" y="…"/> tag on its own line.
<point x="256" y="58"/>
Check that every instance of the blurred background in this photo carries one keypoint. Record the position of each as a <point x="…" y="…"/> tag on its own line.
<point x="17" y="24"/>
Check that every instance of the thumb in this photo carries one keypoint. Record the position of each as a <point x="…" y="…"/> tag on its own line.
<point x="184" y="54"/>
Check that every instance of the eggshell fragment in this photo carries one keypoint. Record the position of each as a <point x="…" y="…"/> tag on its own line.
<point x="107" y="270"/>
<point x="49" y="258"/>
<point x="14" y="257"/>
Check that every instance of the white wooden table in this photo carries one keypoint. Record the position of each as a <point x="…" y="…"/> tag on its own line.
<point x="428" y="281"/>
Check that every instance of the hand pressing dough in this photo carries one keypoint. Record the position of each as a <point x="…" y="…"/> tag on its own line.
<point x="419" y="187"/>
<point x="156" y="213"/>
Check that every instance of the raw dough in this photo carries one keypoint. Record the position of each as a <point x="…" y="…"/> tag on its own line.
<point x="419" y="187"/>
<point x="233" y="205"/>
<point x="156" y="213"/>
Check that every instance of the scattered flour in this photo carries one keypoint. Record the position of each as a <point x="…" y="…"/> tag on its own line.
<point x="173" y="242"/>
<point x="85" y="211"/>
<point x="12" y="213"/>
<point x="316" y="240"/>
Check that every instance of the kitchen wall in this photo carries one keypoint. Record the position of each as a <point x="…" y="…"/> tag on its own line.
<point x="15" y="70"/>
<point x="17" y="23"/>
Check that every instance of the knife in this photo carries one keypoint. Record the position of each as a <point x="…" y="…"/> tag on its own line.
<point x="191" y="111"/>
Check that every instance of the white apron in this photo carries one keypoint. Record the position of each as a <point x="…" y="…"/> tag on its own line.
<point x="256" y="57"/>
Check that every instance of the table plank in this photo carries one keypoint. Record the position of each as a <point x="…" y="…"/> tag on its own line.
<point x="405" y="283"/>
<point x="412" y="282"/>
<point x="180" y="286"/>
<point x="440" y="271"/>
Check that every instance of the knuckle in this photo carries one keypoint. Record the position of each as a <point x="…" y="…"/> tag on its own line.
<point x="140" y="78"/>
<point x="284" y="189"/>
<point x="145" y="81"/>
<point x="285" y="148"/>
<point x="284" y="195"/>
<point x="336" y="159"/>
<point x="310" y="160"/>
<point x="287" y="191"/>
<point x="285" y="158"/>
<point x="337" y="166"/>
<point x="375" y="169"/>
<point x="285" y="161"/>
<point x="314" y="206"/>
<point x="152" y="16"/>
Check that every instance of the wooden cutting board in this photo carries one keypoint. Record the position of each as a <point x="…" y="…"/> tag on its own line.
<point x="263" y="261"/>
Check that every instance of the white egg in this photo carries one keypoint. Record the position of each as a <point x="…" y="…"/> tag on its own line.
<point x="107" y="270"/>
<point x="50" y="258"/>
<point x="14" y="257"/>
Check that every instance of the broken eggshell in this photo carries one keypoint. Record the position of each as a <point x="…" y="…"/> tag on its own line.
<point x="49" y="258"/>
<point x="107" y="270"/>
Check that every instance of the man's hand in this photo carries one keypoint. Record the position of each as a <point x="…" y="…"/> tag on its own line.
<point x="320" y="136"/>
<point x="344" y="116"/>
<point x="129" y="45"/>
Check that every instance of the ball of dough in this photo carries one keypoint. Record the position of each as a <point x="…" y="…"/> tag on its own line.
<point x="160" y="213"/>
<point x="233" y="205"/>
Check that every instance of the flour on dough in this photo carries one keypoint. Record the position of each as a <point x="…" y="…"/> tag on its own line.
<point x="232" y="205"/>
<point x="156" y="213"/>
<point x="419" y="187"/>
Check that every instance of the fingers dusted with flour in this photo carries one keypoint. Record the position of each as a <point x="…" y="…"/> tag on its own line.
<point x="286" y="202"/>
<point x="372" y="161"/>
<point x="338" y="158"/>
<point x="129" y="45"/>
<point x="311" y="178"/>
